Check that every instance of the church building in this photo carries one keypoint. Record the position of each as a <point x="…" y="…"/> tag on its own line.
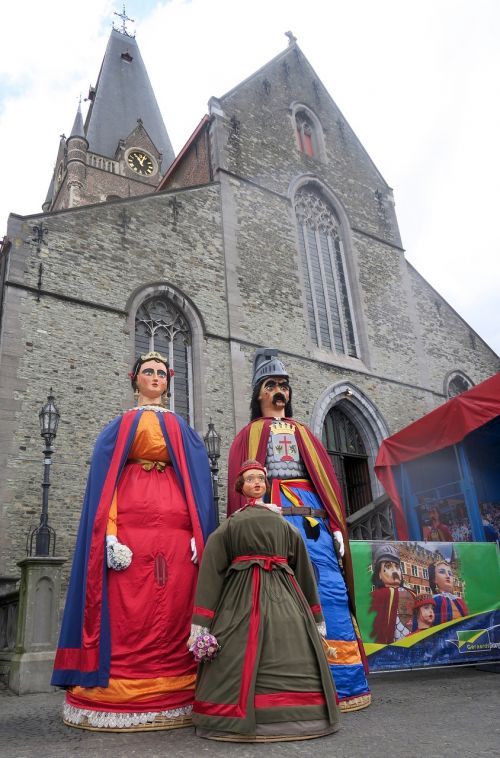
<point x="271" y="227"/>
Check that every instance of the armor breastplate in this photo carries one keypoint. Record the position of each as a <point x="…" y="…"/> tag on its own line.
<point x="283" y="459"/>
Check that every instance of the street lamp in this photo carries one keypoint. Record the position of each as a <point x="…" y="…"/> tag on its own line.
<point x="43" y="535"/>
<point x="212" y="444"/>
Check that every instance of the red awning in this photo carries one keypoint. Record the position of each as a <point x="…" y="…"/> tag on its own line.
<point x="442" y="427"/>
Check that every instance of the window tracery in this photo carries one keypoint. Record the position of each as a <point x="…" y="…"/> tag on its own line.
<point x="326" y="286"/>
<point x="160" y="326"/>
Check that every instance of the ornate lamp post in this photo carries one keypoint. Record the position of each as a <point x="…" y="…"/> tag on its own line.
<point x="43" y="535"/>
<point x="212" y="444"/>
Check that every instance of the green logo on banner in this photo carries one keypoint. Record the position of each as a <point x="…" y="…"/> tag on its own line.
<point x="473" y="640"/>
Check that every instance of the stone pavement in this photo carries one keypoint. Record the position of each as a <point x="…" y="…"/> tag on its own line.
<point x="433" y="713"/>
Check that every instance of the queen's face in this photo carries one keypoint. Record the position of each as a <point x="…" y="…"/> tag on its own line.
<point x="152" y="380"/>
<point x="254" y="483"/>
<point x="444" y="577"/>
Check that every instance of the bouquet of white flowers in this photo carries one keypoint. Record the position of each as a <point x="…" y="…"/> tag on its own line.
<point x="119" y="556"/>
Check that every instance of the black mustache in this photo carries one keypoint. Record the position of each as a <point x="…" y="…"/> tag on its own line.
<point x="279" y="396"/>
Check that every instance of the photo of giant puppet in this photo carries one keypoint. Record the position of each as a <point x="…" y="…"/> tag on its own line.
<point x="147" y="513"/>
<point x="392" y="602"/>
<point x="449" y="606"/>
<point x="257" y="597"/>
<point x="424" y="612"/>
<point x="303" y="482"/>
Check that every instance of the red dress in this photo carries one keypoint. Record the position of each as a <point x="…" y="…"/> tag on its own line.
<point x="152" y="674"/>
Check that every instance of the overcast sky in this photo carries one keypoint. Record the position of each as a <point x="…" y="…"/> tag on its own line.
<point x="417" y="80"/>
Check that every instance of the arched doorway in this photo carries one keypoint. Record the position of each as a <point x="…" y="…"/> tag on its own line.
<point x="348" y="454"/>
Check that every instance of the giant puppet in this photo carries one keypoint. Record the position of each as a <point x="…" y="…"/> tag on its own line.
<point x="147" y="512"/>
<point x="257" y="595"/>
<point x="448" y="606"/>
<point x="392" y="603"/>
<point x="303" y="482"/>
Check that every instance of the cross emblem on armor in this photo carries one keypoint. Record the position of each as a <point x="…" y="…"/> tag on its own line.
<point x="285" y="447"/>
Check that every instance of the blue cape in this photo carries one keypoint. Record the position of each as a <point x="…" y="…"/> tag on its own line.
<point x="83" y="655"/>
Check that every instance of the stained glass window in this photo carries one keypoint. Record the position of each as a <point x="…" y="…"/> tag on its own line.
<point x="326" y="287"/>
<point x="160" y="326"/>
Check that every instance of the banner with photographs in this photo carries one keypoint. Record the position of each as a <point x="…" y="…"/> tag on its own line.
<point x="427" y="603"/>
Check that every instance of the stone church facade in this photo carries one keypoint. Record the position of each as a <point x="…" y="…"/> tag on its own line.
<point x="272" y="227"/>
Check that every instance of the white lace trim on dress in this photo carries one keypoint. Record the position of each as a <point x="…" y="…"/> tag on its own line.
<point x="110" y="720"/>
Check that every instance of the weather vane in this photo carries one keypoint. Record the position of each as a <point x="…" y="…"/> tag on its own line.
<point x="124" y="18"/>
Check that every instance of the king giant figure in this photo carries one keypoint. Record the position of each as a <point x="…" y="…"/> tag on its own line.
<point x="303" y="482"/>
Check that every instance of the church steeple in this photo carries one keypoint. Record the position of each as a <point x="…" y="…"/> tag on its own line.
<point x="123" y="95"/>
<point x="122" y="148"/>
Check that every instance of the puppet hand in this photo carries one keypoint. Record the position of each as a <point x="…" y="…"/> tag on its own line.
<point x="194" y="552"/>
<point x="321" y="627"/>
<point x="337" y="535"/>
<point x="119" y="557"/>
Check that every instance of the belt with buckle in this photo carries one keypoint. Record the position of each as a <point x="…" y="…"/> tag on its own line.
<point x="304" y="511"/>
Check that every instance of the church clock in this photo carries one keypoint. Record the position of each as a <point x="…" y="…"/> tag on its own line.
<point x="140" y="162"/>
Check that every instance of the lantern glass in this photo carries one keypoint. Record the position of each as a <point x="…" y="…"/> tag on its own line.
<point x="49" y="418"/>
<point x="212" y="442"/>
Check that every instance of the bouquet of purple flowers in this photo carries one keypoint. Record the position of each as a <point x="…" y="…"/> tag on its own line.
<point x="205" y="648"/>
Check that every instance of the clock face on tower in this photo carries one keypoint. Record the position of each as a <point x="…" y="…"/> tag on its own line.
<point x="140" y="162"/>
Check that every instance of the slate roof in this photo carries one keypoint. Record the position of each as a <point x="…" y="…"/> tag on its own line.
<point x="77" y="130"/>
<point x="124" y="94"/>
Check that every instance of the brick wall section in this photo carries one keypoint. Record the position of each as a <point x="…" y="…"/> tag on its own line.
<point x="96" y="184"/>
<point x="194" y="168"/>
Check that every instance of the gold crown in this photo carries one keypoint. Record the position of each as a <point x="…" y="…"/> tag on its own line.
<point x="282" y="427"/>
<point x="154" y="356"/>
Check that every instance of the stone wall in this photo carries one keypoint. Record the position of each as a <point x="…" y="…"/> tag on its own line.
<point x="76" y="339"/>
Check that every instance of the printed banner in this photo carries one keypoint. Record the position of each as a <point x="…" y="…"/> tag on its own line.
<point x="427" y="603"/>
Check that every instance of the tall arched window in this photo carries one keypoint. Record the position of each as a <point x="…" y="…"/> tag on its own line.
<point x="349" y="458"/>
<point x="326" y="287"/>
<point x="305" y="134"/>
<point x="160" y="326"/>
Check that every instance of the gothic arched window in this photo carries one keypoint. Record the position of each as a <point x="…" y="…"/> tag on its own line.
<point x="306" y="136"/>
<point x="457" y="383"/>
<point x="348" y="454"/>
<point x="160" y="326"/>
<point x="326" y="286"/>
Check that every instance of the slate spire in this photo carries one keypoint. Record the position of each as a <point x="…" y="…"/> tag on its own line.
<point x="123" y="94"/>
<point x="77" y="129"/>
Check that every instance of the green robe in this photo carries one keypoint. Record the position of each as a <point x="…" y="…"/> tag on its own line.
<point x="271" y="677"/>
